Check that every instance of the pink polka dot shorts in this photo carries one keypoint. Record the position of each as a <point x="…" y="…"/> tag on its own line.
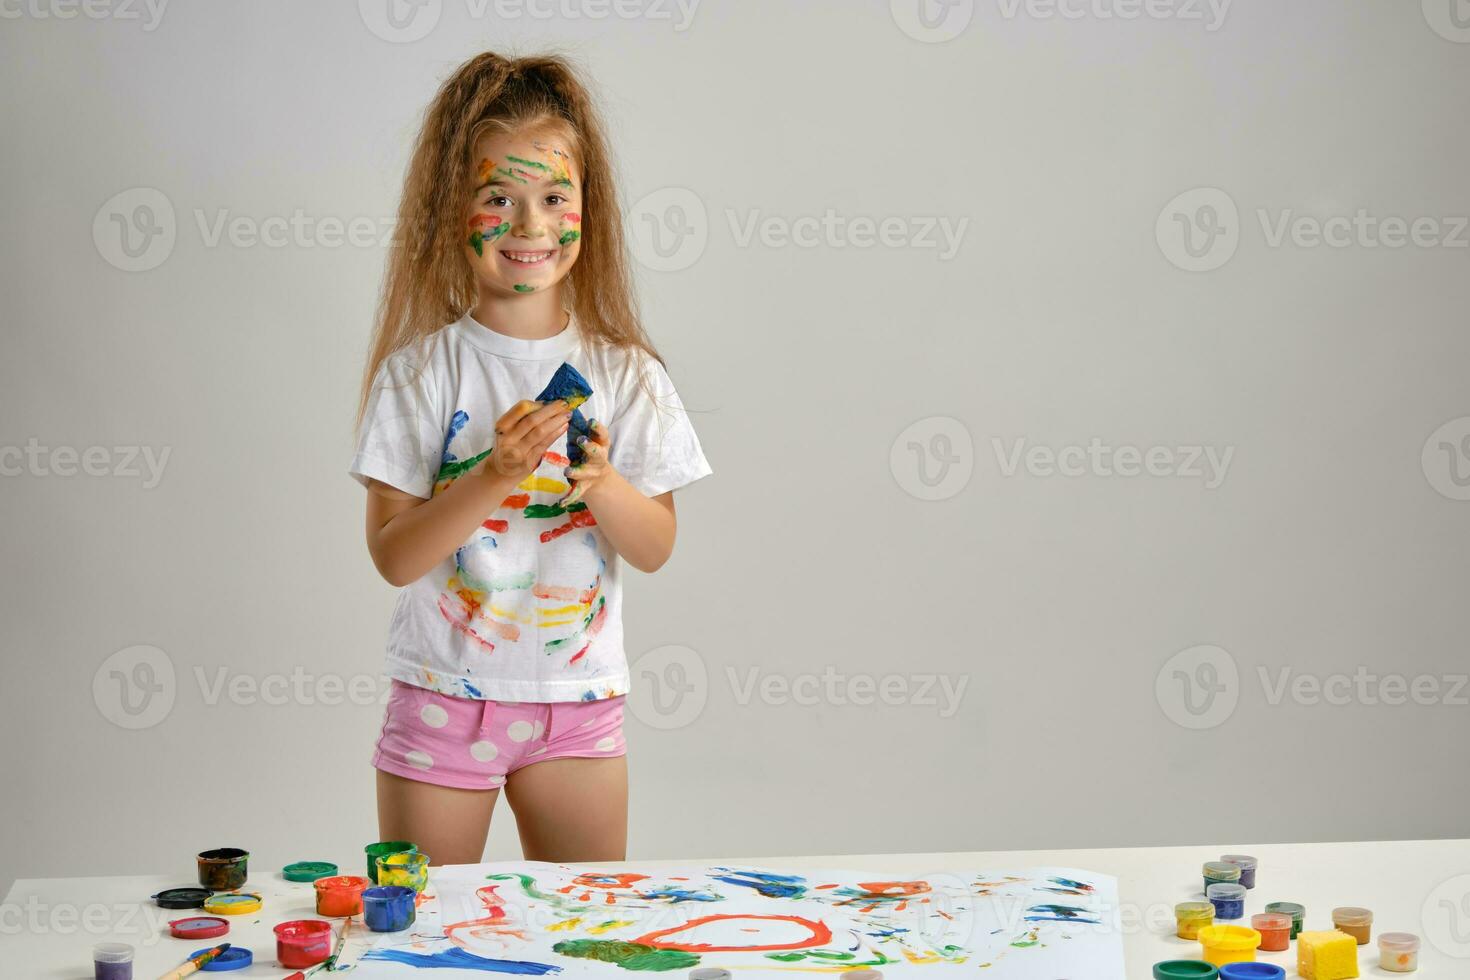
<point x="468" y="743"/>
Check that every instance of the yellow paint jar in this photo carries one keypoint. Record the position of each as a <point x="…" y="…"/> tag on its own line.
<point x="1191" y="917"/>
<point x="1229" y="944"/>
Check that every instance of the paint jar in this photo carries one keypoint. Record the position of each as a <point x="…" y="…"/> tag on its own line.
<point x="112" y="961"/>
<point x="233" y="903"/>
<point x="407" y="868"/>
<point x="1398" y="952"/>
<point x="1247" y="865"/>
<point x="1356" y="922"/>
<point x="375" y="851"/>
<point x="1228" y="899"/>
<point x="1297" y="912"/>
<point x="308" y="870"/>
<point x="1185" y="970"/>
<point x="388" y="908"/>
<point x="234" y="958"/>
<point x="340" y="895"/>
<point x="222" y="869"/>
<point x="1252" y="971"/>
<point x="1220" y="871"/>
<point x="303" y="942"/>
<point x="1229" y="944"/>
<point x="1190" y="917"/>
<point x="1275" y="930"/>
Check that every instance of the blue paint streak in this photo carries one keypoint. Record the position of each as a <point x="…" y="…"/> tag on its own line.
<point x="458" y="959"/>
<point x="1069" y="883"/>
<point x="769" y="885"/>
<point x="456" y="423"/>
<point x="1059" y="918"/>
<point x="677" y="895"/>
<point x="470" y="689"/>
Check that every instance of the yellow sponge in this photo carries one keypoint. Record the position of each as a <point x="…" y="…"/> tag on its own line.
<point x="1326" y="956"/>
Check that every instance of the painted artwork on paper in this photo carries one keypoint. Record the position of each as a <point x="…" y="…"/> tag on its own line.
<point x="536" y="919"/>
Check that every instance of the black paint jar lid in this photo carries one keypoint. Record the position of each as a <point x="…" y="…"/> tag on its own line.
<point x="182" y="898"/>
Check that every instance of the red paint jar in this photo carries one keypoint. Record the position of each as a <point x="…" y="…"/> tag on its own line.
<point x="340" y="895"/>
<point x="303" y="942"/>
<point x="1275" y="930"/>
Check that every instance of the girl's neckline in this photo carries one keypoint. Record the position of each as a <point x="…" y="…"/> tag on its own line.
<point x="504" y="345"/>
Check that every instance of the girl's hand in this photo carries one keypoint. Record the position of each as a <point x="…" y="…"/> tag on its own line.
<point x="594" y="466"/>
<point x="523" y="434"/>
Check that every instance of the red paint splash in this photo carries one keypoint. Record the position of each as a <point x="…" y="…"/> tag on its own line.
<point x="819" y="935"/>
<point x="576" y="519"/>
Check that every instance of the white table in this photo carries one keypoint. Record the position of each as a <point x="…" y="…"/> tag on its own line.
<point x="49" y="925"/>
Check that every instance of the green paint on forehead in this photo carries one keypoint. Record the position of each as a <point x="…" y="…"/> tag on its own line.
<point x="529" y="163"/>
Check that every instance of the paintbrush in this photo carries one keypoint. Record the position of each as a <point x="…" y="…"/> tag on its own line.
<point x="195" y="964"/>
<point x="330" y="963"/>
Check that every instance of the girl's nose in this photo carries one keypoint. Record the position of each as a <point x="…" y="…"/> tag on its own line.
<point x="530" y="226"/>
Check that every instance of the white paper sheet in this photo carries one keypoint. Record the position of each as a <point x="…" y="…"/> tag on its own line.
<point x="536" y="919"/>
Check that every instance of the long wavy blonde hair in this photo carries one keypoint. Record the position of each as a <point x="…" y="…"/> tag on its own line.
<point x="428" y="282"/>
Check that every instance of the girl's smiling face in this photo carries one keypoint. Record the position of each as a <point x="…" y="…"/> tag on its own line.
<point x="524" y="222"/>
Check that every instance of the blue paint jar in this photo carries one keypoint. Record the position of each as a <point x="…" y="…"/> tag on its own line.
<point x="1228" y="899"/>
<point x="1252" y="971"/>
<point x="388" y="908"/>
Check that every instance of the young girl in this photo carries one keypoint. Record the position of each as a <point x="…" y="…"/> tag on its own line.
<point x="505" y="519"/>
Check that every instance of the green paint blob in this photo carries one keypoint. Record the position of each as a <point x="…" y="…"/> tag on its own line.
<point x="629" y="956"/>
<point x="568" y="237"/>
<point x="523" y="288"/>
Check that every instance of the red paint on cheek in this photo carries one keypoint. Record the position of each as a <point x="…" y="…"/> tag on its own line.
<point x="571" y="217"/>
<point x="484" y="222"/>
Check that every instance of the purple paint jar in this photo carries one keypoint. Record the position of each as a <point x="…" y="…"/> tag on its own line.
<point x="1247" y="866"/>
<point x="112" y="961"/>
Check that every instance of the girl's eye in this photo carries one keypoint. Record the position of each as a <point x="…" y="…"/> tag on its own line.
<point x="498" y="202"/>
<point x="556" y="199"/>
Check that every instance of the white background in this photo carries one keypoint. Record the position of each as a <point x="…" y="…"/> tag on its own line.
<point x="1335" y="543"/>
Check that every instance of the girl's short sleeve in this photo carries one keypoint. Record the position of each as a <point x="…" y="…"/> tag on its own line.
<point x="654" y="445"/>
<point x="399" y="440"/>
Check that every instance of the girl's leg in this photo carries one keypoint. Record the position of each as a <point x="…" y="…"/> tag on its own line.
<point x="450" y="825"/>
<point x="571" y="809"/>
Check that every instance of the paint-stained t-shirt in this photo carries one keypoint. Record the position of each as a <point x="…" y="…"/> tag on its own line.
<point x="529" y="608"/>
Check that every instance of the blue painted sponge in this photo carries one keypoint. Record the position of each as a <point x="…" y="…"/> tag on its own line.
<point x="568" y="383"/>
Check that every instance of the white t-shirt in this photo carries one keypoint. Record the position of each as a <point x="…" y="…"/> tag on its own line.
<point x="530" y="607"/>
